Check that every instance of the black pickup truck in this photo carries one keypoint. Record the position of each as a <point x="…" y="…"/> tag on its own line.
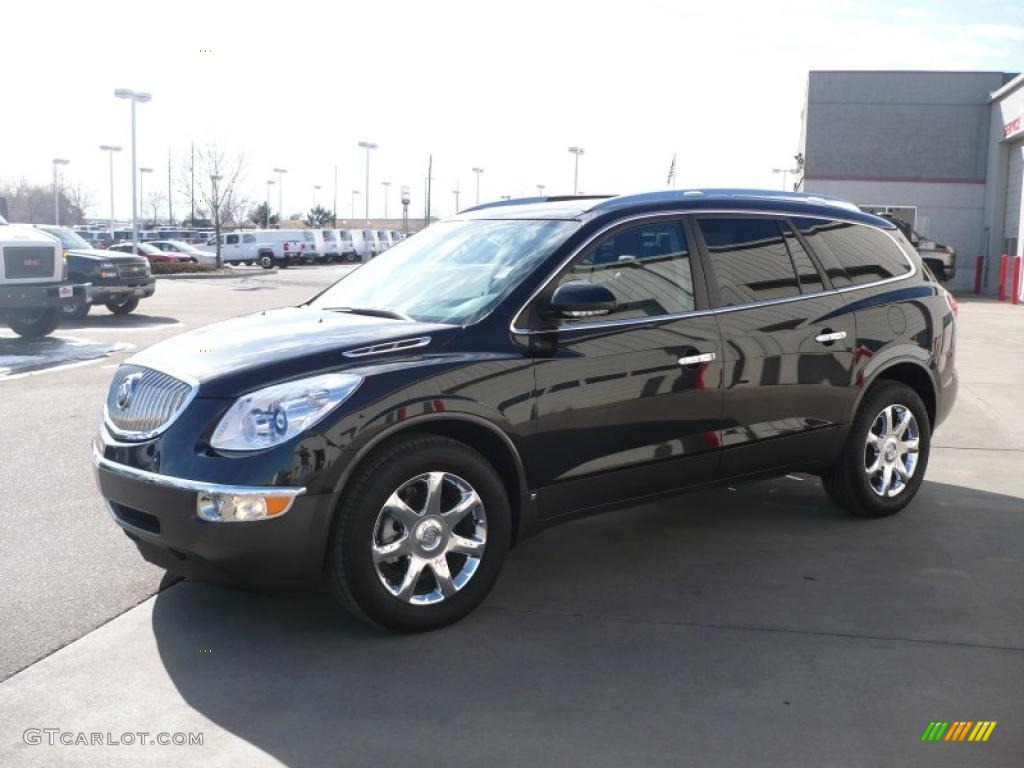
<point x="119" y="280"/>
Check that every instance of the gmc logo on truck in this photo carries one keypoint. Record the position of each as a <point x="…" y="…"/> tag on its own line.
<point x="32" y="262"/>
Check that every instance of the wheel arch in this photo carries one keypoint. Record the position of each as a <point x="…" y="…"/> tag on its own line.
<point x="914" y="375"/>
<point x="475" y="431"/>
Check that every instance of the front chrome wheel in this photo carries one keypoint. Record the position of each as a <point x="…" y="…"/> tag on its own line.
<point x="429" y="538"/>
<point x="891" y="450"/>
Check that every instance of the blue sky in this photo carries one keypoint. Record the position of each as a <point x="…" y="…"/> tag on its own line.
<point x="504" y="87"/>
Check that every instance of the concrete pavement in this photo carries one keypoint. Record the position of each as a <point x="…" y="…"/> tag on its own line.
<point x="749" y="626"/>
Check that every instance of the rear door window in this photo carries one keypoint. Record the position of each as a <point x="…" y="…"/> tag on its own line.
<point x="232" y="240"/>
<point x="806" y="272"/>
<point x="749" y="260"/>
<point x="248" y="238"/>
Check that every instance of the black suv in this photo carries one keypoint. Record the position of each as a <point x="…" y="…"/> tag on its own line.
<point x="119" y="281"/>
<point x="520" y="364"/>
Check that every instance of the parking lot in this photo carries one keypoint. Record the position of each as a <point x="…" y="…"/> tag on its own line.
<point x="749" y="625"/>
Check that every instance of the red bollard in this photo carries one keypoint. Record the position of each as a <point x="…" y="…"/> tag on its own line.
<point x="1015" y="295"/>
<point x="1004" y="266"/>
<point x="979" y="268"/>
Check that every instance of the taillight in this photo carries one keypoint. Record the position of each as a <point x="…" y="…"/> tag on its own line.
<point x="953" y="304"/>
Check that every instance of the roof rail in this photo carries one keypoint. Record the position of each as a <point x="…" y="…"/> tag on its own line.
<point x="533" y="200"/>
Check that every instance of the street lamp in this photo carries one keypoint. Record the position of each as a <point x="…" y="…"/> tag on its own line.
<point x="540" y="190"/>
<point x="266" y="222"/>
<point x="506" y="197"/>
<point x="368" y="146"/>
<point x="280" y="194"/>
<point x="111" y="149"/>
<point x="785" y="172"/>
<point x="56" y="200"/>
<point x="136" y="97"/>
<point x="315" y="188"/>
<point x="142" y="204"/>
<point x="576" y="170"/>
<point x="386" y="184"/>
<point x="478" y="171"/>
<point x="456" y="193"/>
<point x="354" y="193"/>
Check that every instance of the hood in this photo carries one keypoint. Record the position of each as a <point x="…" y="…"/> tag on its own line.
<point x="21" y="235"/>
<point x="246" y="353"/>
<point x="115" y="257"/>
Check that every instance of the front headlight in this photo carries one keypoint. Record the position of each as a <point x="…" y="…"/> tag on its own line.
<point x="270" y="416"/>
<point x="108" y="270"/>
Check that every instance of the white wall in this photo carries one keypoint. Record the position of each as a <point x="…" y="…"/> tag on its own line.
<point x="950" y="213"/>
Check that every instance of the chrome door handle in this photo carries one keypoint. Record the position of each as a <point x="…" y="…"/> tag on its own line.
<point x="828" y="338"/>
<point x="707" y="357"/>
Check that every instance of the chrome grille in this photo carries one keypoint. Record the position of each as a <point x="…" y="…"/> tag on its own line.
<point x="142" y="401"/>
<point x="131" y="270"/>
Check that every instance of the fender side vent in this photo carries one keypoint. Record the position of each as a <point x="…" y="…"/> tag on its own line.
<point x="390" y="346"/>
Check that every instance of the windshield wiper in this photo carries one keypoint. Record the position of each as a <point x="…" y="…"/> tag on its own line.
<point x="372" y="312"/>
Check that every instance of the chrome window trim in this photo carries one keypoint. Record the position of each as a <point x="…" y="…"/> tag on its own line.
<point x="388" y="346"/>
<point x="190" y="486"/>
<point x="185" y="378"/>
<point x="700" y="312"/>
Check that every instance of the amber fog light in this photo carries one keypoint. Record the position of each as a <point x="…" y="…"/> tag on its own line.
<point x="224" y="508"/>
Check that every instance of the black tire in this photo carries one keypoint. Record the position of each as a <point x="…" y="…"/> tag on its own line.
<point x="35" y="323"/>
<point x="351" y="258"/>
<point x="847" y="481"/>
<point x="76" y="309"/>
<point x="266" y="261"/>
<point x="352" y="574"/>
<point x="123" y="306"/>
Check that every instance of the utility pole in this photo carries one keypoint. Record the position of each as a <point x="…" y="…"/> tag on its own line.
<point x="192" y="191"/>
<point x="170" y="197"/>
<point x="335" y="196"/>
<point x="430" y="178"/>
<point x="478" y="171"/>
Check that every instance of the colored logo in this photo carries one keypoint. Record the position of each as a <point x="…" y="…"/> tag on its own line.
<point x="958" y="730"/>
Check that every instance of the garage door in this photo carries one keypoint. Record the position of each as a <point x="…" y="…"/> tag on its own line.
<point x="1014" y="179"/>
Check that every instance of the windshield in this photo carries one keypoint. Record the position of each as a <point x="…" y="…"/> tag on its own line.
<point x="150" y="250"/>
<point x="452" y="272"/>
<point x="67" y="237"/>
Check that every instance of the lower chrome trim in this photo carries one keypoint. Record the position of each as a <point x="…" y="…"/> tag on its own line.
<point x="190" y="486"/>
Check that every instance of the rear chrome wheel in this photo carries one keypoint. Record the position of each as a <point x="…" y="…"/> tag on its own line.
<point x="885" y="454"/>
<point x="429" y="538"/>
<point x="891" y="450"/>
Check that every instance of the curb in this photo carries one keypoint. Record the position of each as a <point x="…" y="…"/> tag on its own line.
<point x="216" y="275"/>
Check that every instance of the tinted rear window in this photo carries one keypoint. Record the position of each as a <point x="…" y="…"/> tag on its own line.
<point x="854" y="253"/>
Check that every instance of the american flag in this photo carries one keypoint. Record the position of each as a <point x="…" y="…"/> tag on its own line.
<point x="670" y="181"/>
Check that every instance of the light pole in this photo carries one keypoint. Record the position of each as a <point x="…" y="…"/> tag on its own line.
<point x="785" y="172"/>
<point x="506" y="197"/>
<point x="353" y="208"/>
<point x="142" y="203"/>
<point x="136" y="97"/>
<point x="456" y="193"/>
<point x="368" y="146"/>
<point x="56" y="197"/>
<point x="478" y="171"/>
<point x="111" y="149"/>
<point x="316" y="188"/>
<point x="386" y="184"/>
<point x="576" y="169"/>
<point x="266" y="223"/>
<point x="280" y="194"/>
<point x="540" y="190"/>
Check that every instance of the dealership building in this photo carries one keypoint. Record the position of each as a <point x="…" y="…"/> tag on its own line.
<point x="942" y="150"/>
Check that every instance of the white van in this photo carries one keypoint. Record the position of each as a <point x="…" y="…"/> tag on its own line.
<point x="384" y="239"/>
<point x="361" y="247"/>
<point x="346" y="248"/>
<point x="330" y="239"/>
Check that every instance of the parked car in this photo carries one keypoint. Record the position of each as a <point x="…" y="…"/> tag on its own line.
<point x="571" y="356"/>
<point x="194" y="254"/>
<point x="375" y="246"/>
<point x="119" y="281"/>
<point x="940" y="259"/>
<point x="34" y="285"/>
<point x="346" y="248"/>
<point x="150" y="252"/>
<point x="361" y="247"/>
<point x="384" y="239"/>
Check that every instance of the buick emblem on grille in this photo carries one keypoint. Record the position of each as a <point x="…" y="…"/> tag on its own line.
<point x="127" y="389"/>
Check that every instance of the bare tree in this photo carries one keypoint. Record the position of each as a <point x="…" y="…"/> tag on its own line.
<point x="77" y="202"/>
<point x="218" y="187"/>
<point x="155" y="201"/>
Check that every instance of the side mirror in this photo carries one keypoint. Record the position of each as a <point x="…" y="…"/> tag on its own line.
<point x="581" y="298"/>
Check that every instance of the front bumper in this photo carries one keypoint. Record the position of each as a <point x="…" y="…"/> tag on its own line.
<point x="101" y="294"/>
<point x="32" y="296"/>
<point x="158" y="513"/>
